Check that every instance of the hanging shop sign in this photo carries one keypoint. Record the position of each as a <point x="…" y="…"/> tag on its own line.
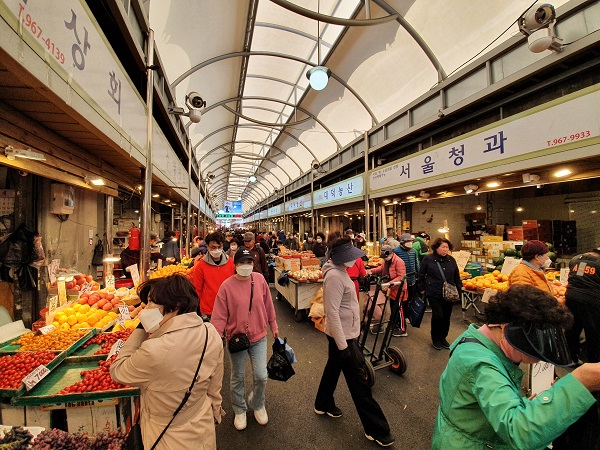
<point x="66" y="35"/>
<point x="275" y="210"/>
<point x="345" y="190"/>
<point x="298" y="203"/>
<point x="564" y="125"/>
<point x="228" y="216"/>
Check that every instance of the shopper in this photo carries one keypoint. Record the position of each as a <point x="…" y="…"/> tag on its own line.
<point x="356" y="273"/>
<point x="431" y="282"/>
<point x="421" y="245"/>
<point x="244" y="305"/>
<point x="227" y="241"/>
<point x="393" y="267"/>
<point x="536" y="258"/>
<point x="161" y="359"/>
<point x="196" y="256"/>
<point x="391" y="237"/>
<point x="170" y="248"/>
<point x="342" y="327"/>
<point x="291" y="243"/>
<point x="411" y="260"/>
<point x="307" y="246"/>
<point x="234" y="244"/>
<point x="360" y="241"/>
<point x="481" y="403"/>
<point x="260" y="259"/>
<point x="210" y="272"/>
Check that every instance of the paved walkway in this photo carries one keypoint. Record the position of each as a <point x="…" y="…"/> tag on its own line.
<point x="409" y="401"/>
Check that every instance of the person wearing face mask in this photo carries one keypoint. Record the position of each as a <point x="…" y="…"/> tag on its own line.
<point x="210" y="272"/>
<point x="292" y="243"/>
<point x="307" y="246"/>
<point x="319" y="247"/>
<point x="536" y="258"/>
<point x="481" y="402"/>
<point x="410" y="257"/>
<point x="431" y="283"/>
<point x="236" y="313"/>
<point x="342" y="328"/>
<point x="161" y="357"/>
<point x="234" y="244"/>
<point x="393" y="267"/>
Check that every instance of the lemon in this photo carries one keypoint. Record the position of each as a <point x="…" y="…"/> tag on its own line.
<point x="56" y="325"/>
<point x="72" y="320"/>
<point x="84" y="325"/>
<point x="69" y="311"/>
<point x="81" y="319"/>
<point x="84" y="308"/>
<point x="76" y="307"/>
<point x="62" y="319"/>
<point x="65" y="326"/>
<point x="93" y="319"/>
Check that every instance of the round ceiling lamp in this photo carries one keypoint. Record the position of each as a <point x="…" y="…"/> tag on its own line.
<point x="252" y="179"/>
<point x="318" y="77"/>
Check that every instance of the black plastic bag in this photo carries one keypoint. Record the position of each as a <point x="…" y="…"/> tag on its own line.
<point x="283" y="279"/>
<point x="97" y="259"/>
<point x="17" y="249"/>
<point x="279" y="367"/>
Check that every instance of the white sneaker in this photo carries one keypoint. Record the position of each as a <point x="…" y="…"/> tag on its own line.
<point x="261" y="416"/>
<point x="240" y="421"/>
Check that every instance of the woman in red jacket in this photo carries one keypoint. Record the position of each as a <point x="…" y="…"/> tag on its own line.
<point x="355" y="272"/>
<point x="394" y="267"/>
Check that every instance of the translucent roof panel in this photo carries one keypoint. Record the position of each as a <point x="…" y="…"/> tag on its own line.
<point x="225" y="51"/>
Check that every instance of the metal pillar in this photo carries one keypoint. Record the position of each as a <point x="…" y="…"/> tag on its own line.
<point x="366" y="187"/>
<point x="312" y="202"/>
<point x="109" y="203"/>
<point x="188" y="240"/>
<point x="147" y="197"/>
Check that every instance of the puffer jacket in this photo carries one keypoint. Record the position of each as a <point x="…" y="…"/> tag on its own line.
<point x="397" y="271"/>
<point x="523" y="274"/>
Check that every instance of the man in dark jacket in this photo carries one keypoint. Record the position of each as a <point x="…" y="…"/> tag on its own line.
<point x="260" y="260"/>
<point x="169" y="248"/>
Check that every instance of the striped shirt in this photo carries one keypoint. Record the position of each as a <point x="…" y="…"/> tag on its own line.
<point x="410" y="261"/>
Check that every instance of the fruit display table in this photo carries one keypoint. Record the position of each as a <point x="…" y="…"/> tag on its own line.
<point x="470" y="298"/>
<point x="298" y="295"/>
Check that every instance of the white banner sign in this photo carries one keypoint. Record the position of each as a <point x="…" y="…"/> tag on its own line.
<point x="68" y="33"/>
<point x="298" y="203"/>
<point x="275" y="211"/>
<point x="345" y="190"/>
<point x="573" y="121"/>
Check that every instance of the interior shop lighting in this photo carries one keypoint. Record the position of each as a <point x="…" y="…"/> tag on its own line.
<point x="252" y="178"/>
<point x="478" y="207"/>
<point x="96" y="181"/>
<point x="111" y="259"/>
<point x="386" y="201"/>
<point x="562" y="173"/>
<point x="470" y="188"/>
<point x="442" y="193"/>
<point x="24" y="153"/>
<point x="424" y="194"/>
<point x="444" y="230"/>
<point x="167" y="200"/>
<point x="155" y="195"/>
<point x="410" y="197"/>
<point x="395" y="201"/>
<point x="519" y="208"/>
<point x="361" y="210"/>
<point x="493" y="184"/>
<point x="530" y="178"/>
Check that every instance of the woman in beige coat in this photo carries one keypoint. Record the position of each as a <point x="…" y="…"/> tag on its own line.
<point x="161" y="358"/>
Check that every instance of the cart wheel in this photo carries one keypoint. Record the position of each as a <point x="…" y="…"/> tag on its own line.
<point x="398" y="365"/>
<point x="300" y="315"/>
<point x="369" y="373"/>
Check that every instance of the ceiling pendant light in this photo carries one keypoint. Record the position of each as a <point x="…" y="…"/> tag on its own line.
<point x="318" y="76"/>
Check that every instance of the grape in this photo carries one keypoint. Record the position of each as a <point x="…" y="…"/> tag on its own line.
<point x="61" y="440"/>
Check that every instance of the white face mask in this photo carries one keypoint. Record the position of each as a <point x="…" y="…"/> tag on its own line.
<point x="389" y="258"/>
<point x="351" y="236"/>
<point x="244" y="270"/>
<point x="151" y="318"/>
<point x="547" y="263"/>
<point x="233" y="248"/>
<point x="408" y="244"/>
<point x="216" y="253"/>
<point x="319" y="240"/>
<point x="349" y="263"/>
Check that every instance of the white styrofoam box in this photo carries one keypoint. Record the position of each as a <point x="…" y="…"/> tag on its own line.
<point x="105" y="418"/>
<point x="13" y="415"/>
<point x="80" y="420"/>
<point x="37" y="417"/>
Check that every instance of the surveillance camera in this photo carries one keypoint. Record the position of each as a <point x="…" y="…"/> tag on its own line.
<point x="315" y="165"/>
<point x="23" y="173"/>
<point x="211" y="176"/>
<point x="536" y="17"/>
<point x="195" y="115"/>
<point x="194" y="101"/>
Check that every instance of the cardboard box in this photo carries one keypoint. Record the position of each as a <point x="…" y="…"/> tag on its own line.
<point x="37" y="417"/>
<point x="12" y="415"/>
<point x="310" y="263"/>
<point x="491" y="238"/>
<point x="515" y="233"/>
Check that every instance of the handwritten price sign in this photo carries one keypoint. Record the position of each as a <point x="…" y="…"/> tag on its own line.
<point x="47" y="329"/>
<point x="34" y="377"/>
<point x="116" y="348"/>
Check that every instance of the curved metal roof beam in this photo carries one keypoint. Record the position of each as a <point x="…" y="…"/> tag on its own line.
<point x="268" y="124"/>
<point x="279" y="80"/>
<point x="415" y="35"/>
<point x="292" y="31"/>
<point x="270" y="99"/>
<point x="262" y="158"/>
<point x="334" y="20"/>
<point x="218" y="147"/>
<point x="260" y="127"/>
<point x="210" y="61"/>
<point x="244" y="185"/>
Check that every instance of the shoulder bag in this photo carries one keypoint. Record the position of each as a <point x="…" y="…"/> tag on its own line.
<point x="134" y="438"/>
<point x="449" y="291"/>
<point x="240" y="342"/>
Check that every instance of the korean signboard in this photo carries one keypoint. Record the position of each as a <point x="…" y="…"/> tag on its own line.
<point x="345" y="190"/>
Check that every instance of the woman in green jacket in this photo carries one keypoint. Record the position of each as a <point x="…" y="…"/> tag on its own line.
<point x="481" y="405"/>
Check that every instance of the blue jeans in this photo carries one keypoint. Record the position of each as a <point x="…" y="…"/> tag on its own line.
<point x="258" y="359"/>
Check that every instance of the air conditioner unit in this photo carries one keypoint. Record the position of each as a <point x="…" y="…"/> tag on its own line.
<point x="62" y="199"/>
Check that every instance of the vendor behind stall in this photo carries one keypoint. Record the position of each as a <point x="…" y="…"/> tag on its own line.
<point x="130" y="257"/>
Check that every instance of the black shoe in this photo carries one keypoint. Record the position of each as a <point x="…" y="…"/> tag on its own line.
<point x="376" y="329"/>
<point x="332" y="411"/>
<point x="385" y="441"/>
<point x="437" y="345"/>
<point x="397" y="332"/>
<point x="445" y="343"/>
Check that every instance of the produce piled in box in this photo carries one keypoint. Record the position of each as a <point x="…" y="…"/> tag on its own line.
<point x="95" y="380"/>
<point x="13" y="368"/>
<point x="169" y="270"/>
<point x="77" y="315"/>
<point x="492" y="280"/>
<point x="58" y="439"/>
<point x="307" y="275"/>
<point x="55" y="340"/>
<point x="107" y="340"/>
<point x="374" y="261"/>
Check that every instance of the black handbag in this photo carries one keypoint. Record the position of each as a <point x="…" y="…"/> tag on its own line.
<point x="415" y="310"/>
<point x="283" y="279"/>
<point x="240" y="342"/>
<point x="279" y="366"/>
<point x="98" y="258"/>
<point x="134" y="438"/>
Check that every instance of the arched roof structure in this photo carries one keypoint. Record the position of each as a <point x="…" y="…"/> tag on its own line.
<point x="248" y="60"/>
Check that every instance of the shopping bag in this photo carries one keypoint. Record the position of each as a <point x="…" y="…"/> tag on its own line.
<point x="415" y="310"/>
<point x="279" y="366"/>
<point x="134" y="438"/>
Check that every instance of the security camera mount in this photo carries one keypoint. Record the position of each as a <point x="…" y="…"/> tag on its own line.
<point x="537" y="23"/>
<point x="13" y="153"/>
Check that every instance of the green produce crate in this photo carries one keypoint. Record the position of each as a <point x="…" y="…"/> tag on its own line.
<point x="66" y="374"/>
<point x="21" y="390"/>
<point x="8" y="348"/>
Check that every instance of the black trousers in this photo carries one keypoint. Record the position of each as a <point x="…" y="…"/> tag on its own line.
<point x="441" y="310"/>
<point x="587" y="316"/>
<point x="369" y="411"/>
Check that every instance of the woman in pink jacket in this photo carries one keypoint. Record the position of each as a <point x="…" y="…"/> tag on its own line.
<point x="234" y="314"/>
<point x="394" y="267"/>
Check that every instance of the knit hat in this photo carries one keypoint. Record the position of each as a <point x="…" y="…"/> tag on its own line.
<point x="386" y="250"/>
<point x="349" y="231"/>
<point x="533" y="248"/>
<point x="406" y="237"/>
<point x="195" y="251"/>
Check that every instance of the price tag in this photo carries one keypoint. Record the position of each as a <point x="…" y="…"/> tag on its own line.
<point x="509" y="264"/>
<point x="34" y="377"/>
<point x="52" y="269"/>
<point x="109" y="281"/>
<point x="86" y="287"/>
<point x="124" y="310"/>
<point x="564" y="275"/>
<point x="116" y="348"/>
<point x="52" y="304"/>
<point x="487" y="294"/>
<point x="135" y="274"/>
<point x="462" y="259"/>
<point x="47" y="329"/>
<point x="541" y="377"/>
<point x="62" y="292"/>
